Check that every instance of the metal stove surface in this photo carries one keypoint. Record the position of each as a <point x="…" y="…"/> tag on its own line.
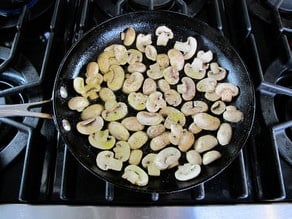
<point x="46" y="173"/>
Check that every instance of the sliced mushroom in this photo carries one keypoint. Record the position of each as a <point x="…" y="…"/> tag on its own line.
<point x="212" y="96"/>
<point x="207" y="85"/>
<point x="187" y="172"/>
<point x="216" y="72"/>
<point x="149" y="86"/>
<point x="232" y="114"/>
<point x="92" y="69"/>
<point x="176" y="59"/>
<point x="193" y="128"/>
<point x="193" y="107"/>
<point x="142" y="41"/>
<point x="162" y="60"/>
<point x="148" y="163"/>
<point x="78" y="103"/>
<point x="105" y="160"/>
<point x="133" y="82"/>
<point x="205" y="143"/>
<point x="137" y="100"/>
<point x="120" y="53"/>
<point x="115" y="77"/>
<point x="149" y="118"/>
<point x="118" y="130"/>
<point x="155" y="102"/>
<point x="163" y="34"/>
<point x="211" y="156"/>
<point x="167" y="158"/>
<point x="107" y="94"/>
<point x="118" y="112"/>
<point x="90" y="126"/>
<point x="206" y="57"/>
<point x="154" y="71"/>
<point x="122" y="151"/>
<point x="186" y="140"/>
<point x="128" y="36"/>
<point x="206" y="121"/>
<point x="135" y="156"/>
<point x="195" y="70"/>
<point x="171" y="75"/>
<point x="159" y="142"/>
<point x="226" y="91"/>
<point x="137" y="67"/>
<point x="224" y="134"/>
<point x="102" y="140"/>
<point x="218" y="107"/>
<point x="163" y="85"/>
<point x="132" y="124"/>
<point x="175" y="135"/>
<point x="135" y="175"/>
<point x="151" y="52"/>
<point x="137" y="139"/>
<point x="103" y="61"/>
<point x="155" y="130"/>
<point x="92" y="111"/>
<point x="194" y="157"/>
<point x="134" y="56"/>
<point x="172" y="97"/>
<point x="187" y="88"/>
<point x="173" y="116"/>
<point x="78" y="85"/>
<point x="188" y="48"/>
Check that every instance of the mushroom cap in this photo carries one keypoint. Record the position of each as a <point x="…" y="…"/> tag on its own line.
<point x="226" y="91"/>
<point x="187" y="88"/>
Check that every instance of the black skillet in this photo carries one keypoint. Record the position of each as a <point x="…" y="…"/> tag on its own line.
<point x="107" y="33"/>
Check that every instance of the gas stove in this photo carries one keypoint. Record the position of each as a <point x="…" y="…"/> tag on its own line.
<point x="36" y="166"/>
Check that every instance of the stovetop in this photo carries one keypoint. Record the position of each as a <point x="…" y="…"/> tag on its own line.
<point x="37" y="167"/>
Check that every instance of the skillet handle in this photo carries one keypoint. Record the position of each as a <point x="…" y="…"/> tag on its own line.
<point x="11" y="110"/>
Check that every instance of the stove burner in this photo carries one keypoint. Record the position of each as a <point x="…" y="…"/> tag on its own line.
<point x="9" y="16"/>
<point x="12" y="140"/>
<point x="279" y="110"/>
<point x="283" y="5"/>
<point x="263" y="9"/>
<point x="111" y="7"/>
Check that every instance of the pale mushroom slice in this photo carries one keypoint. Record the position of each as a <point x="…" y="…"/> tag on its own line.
<point x="142" y="41"/>
<point x="216" y="72"/>
<point x="151" y="52"/>
<point x="149" y="118"/>
<point x="134" y="56"/>
<point x="205" y="143"/>
<point x="167" y="158"/>
<point x="118" y="130"/>
<point x="171" y="75"/>
<point x="224" y="134"/>
<point x="133" y="82"/>
<point x="105" y="160"/>
<point x="187" y="172"/>
<point x="90" y="126"/>
<point x="186" y="140"/>
<point x="122" y="151"/>
<point x="78" y="103"/>
<point x="154" y="71"/>
<point x="232" y="114"/>
<point x="211" y="156"/>
<point x="128" y="36"/>
<point x="120" y="53"/>
<point x="114" y="77"/>
<point x="218" y="107"/>
<point x="136" y="175"/>
<point x="207" y="85"/>
<point x="107" y="94"/>
<point x="159" y="142"/>
<point x="176" y="59"/>
<point x="137" y="100"/>
<point x="148" y="163"/>
<point x="187" y="88"/>
<point x="155" y="101"/>
<point x="132" y="124"/>
<point x="103" y="61"/>
<point x="92" y="69"/>
<point x="155" y="130"/>
<point x="102" y="140"/>
<point x="164" y="34"/>
<point x="188" y="48"/>
<point x="162" y="60"/>
<point x="135" y="156"/>
<point x="137" y="139"/>
<point x="163" y="85"/>
<point x="195" y="69"/>
<point x="119" y="111"/>
<point x="206" y="57"/>
<point x="149" y="86"/>
<point x="226" y="91"/>
<point x="172" y="97"/>
<point x="137" y="67"/>
<point x="206" y="121"/>
<point x="173" y="116"/>
<point x="193" y="107"/>
<point x="194" y="157"/>
<point x="92" y="111"/>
